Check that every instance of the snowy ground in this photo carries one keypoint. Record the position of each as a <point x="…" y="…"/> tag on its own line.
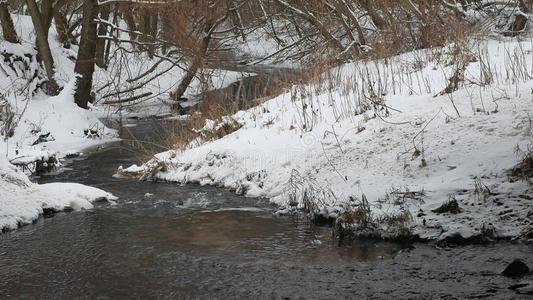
<point x="49" y="128"/>
<point x="22" y="201"/>
<point x="382" y="129"/>
<point x="46" y="128"/>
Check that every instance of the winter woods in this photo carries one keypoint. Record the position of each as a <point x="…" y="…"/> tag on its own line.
<point x="193" y="34"/>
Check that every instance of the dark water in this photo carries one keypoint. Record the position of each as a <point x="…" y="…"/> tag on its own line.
<point x="184" y="242"/>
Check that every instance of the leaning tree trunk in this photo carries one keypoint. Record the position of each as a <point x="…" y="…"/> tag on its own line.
<point x="369" y="7"/>
<point x="8" y="29"/>
<point x="43" y="46"/>
<point x="193" y="69"/>
<point x="84" y="68"/>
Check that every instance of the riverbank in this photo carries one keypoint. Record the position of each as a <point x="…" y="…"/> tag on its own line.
<point x="399" y="142"/>
<point x="49" y="130"/>
<point x="191" y="241"/>
<point x="39" y="132"/>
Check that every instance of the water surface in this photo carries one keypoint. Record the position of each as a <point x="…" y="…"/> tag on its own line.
<point x="163" y="240"/>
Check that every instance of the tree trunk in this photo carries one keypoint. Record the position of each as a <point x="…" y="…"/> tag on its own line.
<point x="112" y="32"/>
<point x="193" y="69"/>
<point x="154" y="24"/>
<point x="84" y="68"/>
<point x="43" y="46"/>
<point x="146" y="25"/>
<point x="62" y="28"/>
<point x="47" y="14"/>
<point x="127" y="14"/>
<point x="347" y="11"/>
<point x="368" y="6"/>
<point x="101" y="43"/>
<point x="8" y="29"/>
<point x="167" y="28"/>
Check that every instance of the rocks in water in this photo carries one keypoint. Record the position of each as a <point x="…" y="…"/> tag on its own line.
<point x="91" y="133"/>
<point x="45" y="166"/>
<point x="323" y="219"/>
<point x="49" y="212"/>
<point x="527" y="233"/>
<point x="101" y="200"/>
<point x="73" y="154"/>
<point x="37" y="162"/>
<point x="517" y="268"/>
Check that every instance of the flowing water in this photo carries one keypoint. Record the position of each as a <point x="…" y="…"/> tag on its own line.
<point x="167" y="241"/>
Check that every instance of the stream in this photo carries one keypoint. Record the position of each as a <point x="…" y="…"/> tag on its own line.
<point x="169" y="241"/>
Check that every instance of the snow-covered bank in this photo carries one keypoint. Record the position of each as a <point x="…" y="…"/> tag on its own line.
<point x="386" y="130"/>
<point x="41" y="131"/>
<point x="22" y="201"/>
<point x="47" y="128"/>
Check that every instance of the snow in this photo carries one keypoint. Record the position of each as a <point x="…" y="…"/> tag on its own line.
<point x="333" y="139"/>
<point x="375" y="128"/>
<point x="22" y="201"/>
<point x="54" y="127"/>
<point x="47" y="127"/>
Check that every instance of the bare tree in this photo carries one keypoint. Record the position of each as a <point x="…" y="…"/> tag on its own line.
<point x="43" y="46"/>
<point x="101" y="43"/>
<point x="85" y="62"/>
<point x="207" y="17"/>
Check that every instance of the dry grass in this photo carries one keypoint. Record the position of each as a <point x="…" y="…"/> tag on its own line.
<point x="524" y="169"/>
<point x="449" y="206"/>
<point x="358" y="221"/>
<point x="307" y="195"/>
